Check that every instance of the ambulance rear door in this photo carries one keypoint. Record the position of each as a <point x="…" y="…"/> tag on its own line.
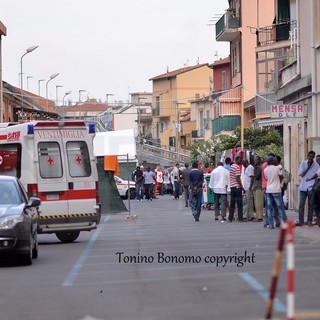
<point x="65" y="178"/>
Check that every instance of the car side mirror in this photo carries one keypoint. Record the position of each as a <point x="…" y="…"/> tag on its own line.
<point x="34" y="202"/>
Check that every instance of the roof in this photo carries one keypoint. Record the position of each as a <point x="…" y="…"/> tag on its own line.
<point x="174" y="73"/>
<point x="220" y="62"/>
<point x="88" y="106"/>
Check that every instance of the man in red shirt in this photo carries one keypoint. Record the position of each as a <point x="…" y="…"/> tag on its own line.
<point x="236" y="190"/>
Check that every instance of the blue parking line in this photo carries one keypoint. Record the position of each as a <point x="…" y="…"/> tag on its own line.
<point x="261" y="290"/>
<point x="69" y="281"/>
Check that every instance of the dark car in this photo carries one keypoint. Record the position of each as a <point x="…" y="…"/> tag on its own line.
<point x="18" y="220"/>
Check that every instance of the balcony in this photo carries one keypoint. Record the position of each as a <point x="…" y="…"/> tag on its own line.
<point x="227" y="27"/>
<point x="277" y="32"/>
<point x="226" y="123"/>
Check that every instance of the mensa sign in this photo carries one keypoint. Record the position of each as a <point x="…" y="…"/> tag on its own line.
<point x="287" y="111"/>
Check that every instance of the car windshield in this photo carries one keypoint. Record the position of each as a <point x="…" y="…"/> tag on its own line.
<point x="9" y="193"/>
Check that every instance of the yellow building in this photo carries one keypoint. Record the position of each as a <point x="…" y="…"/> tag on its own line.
<point x="172" y="92"/>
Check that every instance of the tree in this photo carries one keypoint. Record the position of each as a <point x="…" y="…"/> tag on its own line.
<point x="260" y="140"/>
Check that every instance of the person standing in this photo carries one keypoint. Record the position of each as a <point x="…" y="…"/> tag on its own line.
<point x="148" y="183"/>
<point x="196" y="179"/>
<point x="138" y="178"/>
<point x="236" y="190"/>
<point x="219" y="180"/>
<point x="273" y="175"/>
<point x="185" y="182"/>
<point x="176" y="181"/>
<point x="159" y="180"/>
<point x="257" y="189"/>
<point x="307" y="169"/>
<point x="248" y="178"/>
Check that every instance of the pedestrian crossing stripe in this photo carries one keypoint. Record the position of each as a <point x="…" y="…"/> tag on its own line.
<point x="61" y="216"/>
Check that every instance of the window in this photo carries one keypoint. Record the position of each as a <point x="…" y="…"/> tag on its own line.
<point x="78" y="159"/>
<point x="224" y="80"/>
<point x="50" y="164"/>
<point x="10" y="160"/>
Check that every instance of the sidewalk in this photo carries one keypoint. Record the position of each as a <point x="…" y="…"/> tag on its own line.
<point x="311" y="233"/>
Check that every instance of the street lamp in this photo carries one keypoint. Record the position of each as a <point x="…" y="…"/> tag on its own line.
<point x="51" y="78"/>
<point x="139" y="130"/>
<point x="28" y="77"/>
<point x="39" y="85"/>
<point x="67" y="93"/>
<point x="57" y="100"/>
<point x="29" y="50"/>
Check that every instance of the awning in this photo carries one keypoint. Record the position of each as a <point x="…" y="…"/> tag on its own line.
<point x="260" y="123"/>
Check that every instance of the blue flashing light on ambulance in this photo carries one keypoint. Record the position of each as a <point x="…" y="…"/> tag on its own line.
<point x="54" y="160"/>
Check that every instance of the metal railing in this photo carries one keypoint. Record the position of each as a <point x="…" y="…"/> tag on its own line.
<point x="165" y="153"/>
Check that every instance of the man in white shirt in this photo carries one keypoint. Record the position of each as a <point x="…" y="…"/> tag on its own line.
<point x="273" y="175"/>
<point x="248" y="178"/>
<point x="219" y="181"/>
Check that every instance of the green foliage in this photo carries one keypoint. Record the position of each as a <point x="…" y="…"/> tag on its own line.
<point x="261" y="140"/>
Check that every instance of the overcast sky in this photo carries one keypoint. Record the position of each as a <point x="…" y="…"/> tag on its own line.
<point x="104" y="46"/>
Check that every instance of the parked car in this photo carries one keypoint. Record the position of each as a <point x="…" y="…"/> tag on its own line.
<point x="19" y="217"/>
<point x="122" y="186"/>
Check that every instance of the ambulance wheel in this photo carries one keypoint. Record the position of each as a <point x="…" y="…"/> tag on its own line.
<point x="68" y="236"/>
<point x="132" y="194"/>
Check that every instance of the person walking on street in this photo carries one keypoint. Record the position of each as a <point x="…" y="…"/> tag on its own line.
<point x="159" y="180"/>
<point x="257" y="189"/>
<point x="148" y="183"/>
<point x="219" y="180"/>
<point x="137" y="176"/>
<point x="185" y="182"/>
<point x="176" y="181"/>
<point x="248" y="178"/>
<point x="196" y="179"/>
<point x="307" y="169"/>
<point x="236" y="190"/>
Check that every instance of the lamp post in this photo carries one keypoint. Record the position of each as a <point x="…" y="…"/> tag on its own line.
<point x="28" y="77"/>
<point x="178" y="127"/>
<point x="139" y="130"/>
<point x="29" y="50"/>
<point x="57" y="100"/>
<point x="39" y="85"/>
<point x="51" y="78"/>
<point x="67" y="93"/>
<point x="80" y="101"/>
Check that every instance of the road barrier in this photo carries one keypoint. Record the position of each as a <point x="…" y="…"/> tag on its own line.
<point x="286" y="229"/>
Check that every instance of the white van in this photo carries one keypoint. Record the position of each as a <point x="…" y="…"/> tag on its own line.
<point x="54" y="160"/>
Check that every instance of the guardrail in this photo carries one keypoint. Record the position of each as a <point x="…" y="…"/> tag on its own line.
<point x="164" y="153"/>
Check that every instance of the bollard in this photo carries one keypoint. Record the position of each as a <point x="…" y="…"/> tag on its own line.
<point x="275" y="271"/>
<point x="290" y="271"/>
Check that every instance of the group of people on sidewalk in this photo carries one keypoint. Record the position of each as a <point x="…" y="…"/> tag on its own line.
<point x="242" y="191"/>
<point x="258" y="190"/>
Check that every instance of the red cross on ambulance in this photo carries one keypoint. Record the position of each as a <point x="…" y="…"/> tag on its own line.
<point x="78" y="159"/>
<point x="50" y="160"/>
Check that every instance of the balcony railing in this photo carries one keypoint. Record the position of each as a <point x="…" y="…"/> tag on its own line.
<point x="276" y="32"/>
<point x="227" y="27"/>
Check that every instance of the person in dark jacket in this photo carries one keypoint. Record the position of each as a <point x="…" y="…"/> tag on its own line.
<point x="196" y="179"/>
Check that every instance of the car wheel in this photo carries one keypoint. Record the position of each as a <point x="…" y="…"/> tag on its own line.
<point x="68" y="236"/>
<point x="35" y="247"/>
<point x="27" y="257"/>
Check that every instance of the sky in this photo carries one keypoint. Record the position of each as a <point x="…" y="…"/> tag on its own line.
<point x="103" y="46"/>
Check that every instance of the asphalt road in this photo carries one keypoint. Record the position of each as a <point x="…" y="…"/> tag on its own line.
<point x="157" y="263"/>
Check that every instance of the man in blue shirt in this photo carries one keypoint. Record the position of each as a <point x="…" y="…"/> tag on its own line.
<point x="196" y="179"/>
<point x="307" y="170"/>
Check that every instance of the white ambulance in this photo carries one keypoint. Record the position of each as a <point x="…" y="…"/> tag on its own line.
<point x="54" y="160"/>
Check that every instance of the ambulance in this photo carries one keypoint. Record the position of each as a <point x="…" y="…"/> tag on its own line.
<point x="54" y="161"/>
